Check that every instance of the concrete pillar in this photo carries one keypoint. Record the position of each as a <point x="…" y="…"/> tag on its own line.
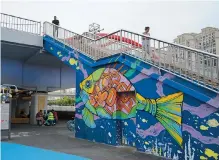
<point x="38" y="102"/>
<point x="13" y="107"/>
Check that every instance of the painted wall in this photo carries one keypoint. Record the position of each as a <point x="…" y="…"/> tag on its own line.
<point x="38" y="76"/>
<point x="181" y="126"/>
<point x="11" y="71"/>
<point x="122" y="101"/>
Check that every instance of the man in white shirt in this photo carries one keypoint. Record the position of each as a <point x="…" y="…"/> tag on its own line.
<point x="146" y="41"/>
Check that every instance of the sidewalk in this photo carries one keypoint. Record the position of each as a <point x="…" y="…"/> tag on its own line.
<point x="59" y="139"/>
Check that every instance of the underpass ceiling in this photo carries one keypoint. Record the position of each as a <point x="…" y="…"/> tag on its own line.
<point x="28" y="54"/>
<point x="17" y="51"/>
<point x="32" y="56"/>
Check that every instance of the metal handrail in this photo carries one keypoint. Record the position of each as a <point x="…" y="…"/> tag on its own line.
<point x="19" y="17"/>
<point x="108" y="35"/>
<point x="180" y="60"/>
<point x="21" y="24"/>
<point x="173" y="44"/>
<point x="177" y="45"/>
<point x="70" y="31"/>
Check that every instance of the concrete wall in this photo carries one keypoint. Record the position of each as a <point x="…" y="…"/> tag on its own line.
<point x="13" y="108"/>
<point x="14" y="36"/>
<point x="23" y="105"/>
<point x="128" y="102"/>
<point x="38" y="102"/>
<point x="18" y="105"/>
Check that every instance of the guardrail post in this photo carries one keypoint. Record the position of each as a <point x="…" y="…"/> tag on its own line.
<point x="20" y="24"/>
<point x="120" y="38"/>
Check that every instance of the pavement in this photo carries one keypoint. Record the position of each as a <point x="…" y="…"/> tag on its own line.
<point x="58" y="143"/>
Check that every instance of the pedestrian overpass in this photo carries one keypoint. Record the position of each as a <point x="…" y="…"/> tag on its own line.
<point x="164" y="103"/>
<point x="24" y="63"/>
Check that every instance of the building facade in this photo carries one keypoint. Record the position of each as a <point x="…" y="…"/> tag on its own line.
<point x="207" y="40"/>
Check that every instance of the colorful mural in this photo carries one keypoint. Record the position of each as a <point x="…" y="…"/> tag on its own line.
<point x="123" y="101"/>
<point x="98" y="92"/>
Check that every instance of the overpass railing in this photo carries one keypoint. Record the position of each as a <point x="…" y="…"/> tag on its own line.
<point x="193" y="65"/>
<point x="20" y="24"/>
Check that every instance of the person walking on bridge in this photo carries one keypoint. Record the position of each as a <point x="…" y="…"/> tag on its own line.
<point x="146" y="41"/>
<point x="55" y="27"/>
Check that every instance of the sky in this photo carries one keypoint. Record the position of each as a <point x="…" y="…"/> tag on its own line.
<point x="167" y="19"/>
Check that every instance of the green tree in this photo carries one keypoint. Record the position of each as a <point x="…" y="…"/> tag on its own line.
<point x="65" y="101"/>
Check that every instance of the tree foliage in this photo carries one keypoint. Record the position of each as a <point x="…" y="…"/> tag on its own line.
<point x="65" y="101"/>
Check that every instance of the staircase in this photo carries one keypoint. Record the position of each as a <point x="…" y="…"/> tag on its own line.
<point x="196" y="66"/>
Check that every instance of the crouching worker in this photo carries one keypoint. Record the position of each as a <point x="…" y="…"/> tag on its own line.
<point x="39" y="118"/>
<point x="55" y="116"/>
<point x="50" y="119"/>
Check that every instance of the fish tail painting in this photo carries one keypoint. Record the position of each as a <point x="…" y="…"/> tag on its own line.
<point x="167" y="111"/>
<point x="100" y="90"/>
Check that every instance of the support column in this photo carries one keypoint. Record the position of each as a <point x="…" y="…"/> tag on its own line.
<point x="13" y="107"/>
<point x="38" y="102"/>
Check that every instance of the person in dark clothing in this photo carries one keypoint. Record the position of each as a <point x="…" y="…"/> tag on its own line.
<point x="55" y="116"/>
<point x="55" y="27"/>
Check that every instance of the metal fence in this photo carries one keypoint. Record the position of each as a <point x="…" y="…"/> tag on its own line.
<point x="74" y="40"/>
<point x="193" y="65"/>
<point x="20" y="24"/>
